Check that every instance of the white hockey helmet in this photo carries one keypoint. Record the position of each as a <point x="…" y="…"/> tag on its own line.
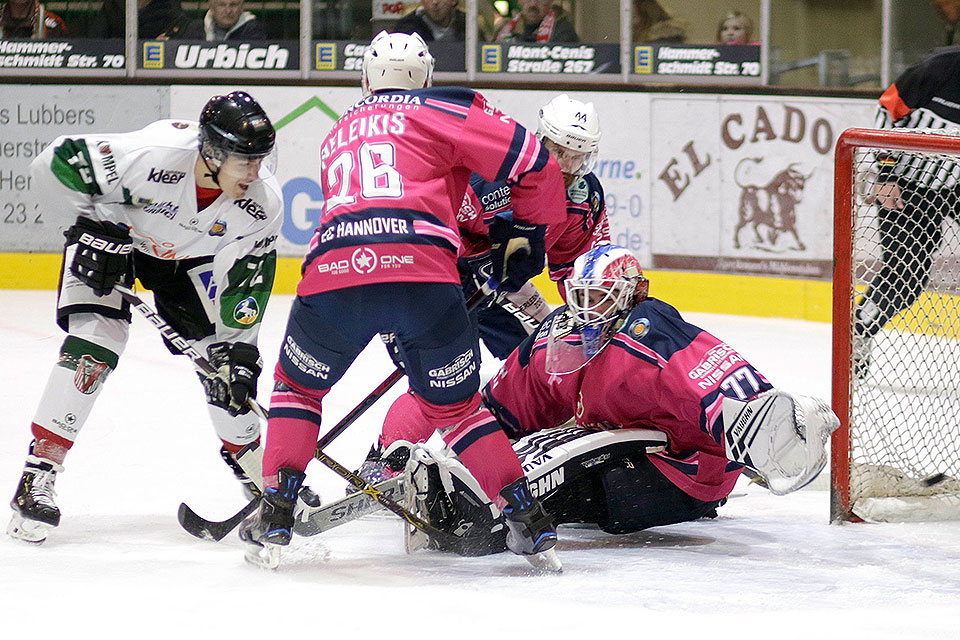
<point x="573" y="125"/>
<point x="606" y="284"/>
<point x="396" y="61"/>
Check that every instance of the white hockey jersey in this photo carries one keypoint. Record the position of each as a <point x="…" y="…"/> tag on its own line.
<point x="145" y="180"/>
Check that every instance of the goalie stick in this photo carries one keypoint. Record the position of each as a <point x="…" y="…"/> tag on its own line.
<point x="214" y="530"/>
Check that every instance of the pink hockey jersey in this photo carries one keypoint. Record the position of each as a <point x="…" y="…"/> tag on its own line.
<point x="659" y="372"/>
<point x="584" y="227"/>
<point x="394" y="169"/>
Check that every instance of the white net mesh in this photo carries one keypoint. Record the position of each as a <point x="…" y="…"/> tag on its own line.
<point x="905" y="330"/>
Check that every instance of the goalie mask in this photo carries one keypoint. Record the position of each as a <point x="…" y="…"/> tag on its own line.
<point x="570" y="130"/>
<point x="237" y="138"/>
<point x="606" y="284"/>
<point x="396" y="61"/>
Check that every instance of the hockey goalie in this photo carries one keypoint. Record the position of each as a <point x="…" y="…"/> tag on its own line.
<point x="666" y="418"/>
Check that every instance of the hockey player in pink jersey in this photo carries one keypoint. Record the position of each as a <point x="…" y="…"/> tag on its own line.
<point x="570" y="130"/>
<point x="615" y="359"/>
<point x="393" y="170"/>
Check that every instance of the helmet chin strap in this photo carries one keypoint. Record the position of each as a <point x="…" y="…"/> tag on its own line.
<point x="213" y="173"/>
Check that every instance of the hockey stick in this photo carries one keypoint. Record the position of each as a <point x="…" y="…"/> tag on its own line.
<point x="513" y="309"/>
<point x="179" y="342"/>
<point x="200" y="527"/>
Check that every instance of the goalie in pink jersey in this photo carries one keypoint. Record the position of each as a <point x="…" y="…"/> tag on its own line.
<point x="615" y="359"/>
<point x="394" y="169"/>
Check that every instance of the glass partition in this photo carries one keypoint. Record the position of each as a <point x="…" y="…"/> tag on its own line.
<point x="802" y="43"/>
<point x="223" y="36"/>
<point x="914" y="31"/>
<point x="712" y="41"/>
<point x="826" y="44"/>
<point x="59" y="38"/>
<point x="572" y="39"/>
<point x="343" y="28"/>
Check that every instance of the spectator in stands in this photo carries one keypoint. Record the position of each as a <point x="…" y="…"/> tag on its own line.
<point x="735" y="28"/>
<point x="538" y="21"/>
<point x="30" y="19"/>
<point x="438" y="20"/>
<point x="949" y="12"/>
<point x="652" y="23"/>
<point x="226" y="20"/>
<point x="156" y="20"/>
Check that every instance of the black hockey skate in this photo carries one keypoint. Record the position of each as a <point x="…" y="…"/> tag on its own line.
<point x="531" y="532"/>
<point x="271" y="527"/>
<point x="34" y="510"/>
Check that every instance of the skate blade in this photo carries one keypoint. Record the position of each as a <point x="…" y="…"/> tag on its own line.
<point x="546" y="561"/>
<point x="26" y="530"/>
<point x="265" y="557"/>
<point x="414" y="540"/>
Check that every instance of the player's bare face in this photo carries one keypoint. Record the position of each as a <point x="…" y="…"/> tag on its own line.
<point x="569" y="160"/>
<point x="237" y="173"/>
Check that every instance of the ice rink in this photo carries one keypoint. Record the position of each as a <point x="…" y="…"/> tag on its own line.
<point x="120" y="566"/>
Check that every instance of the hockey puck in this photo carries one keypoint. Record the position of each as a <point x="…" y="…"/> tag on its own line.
<point x="936" y="478"/>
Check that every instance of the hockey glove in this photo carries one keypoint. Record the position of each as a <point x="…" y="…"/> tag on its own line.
<point x="518" y="252"/>
<point x="238" y="366"/>
<point x="103" y="253"/>
<point x="474" y="272"/>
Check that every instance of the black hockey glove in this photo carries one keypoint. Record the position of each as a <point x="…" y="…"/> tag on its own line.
<point x="518" y="252"/>
<point x="103" y="254"/>
<point x="474" y="272"/>
<point x="238" y="366"/>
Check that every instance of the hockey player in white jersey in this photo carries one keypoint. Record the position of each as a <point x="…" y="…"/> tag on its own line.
<point x="192" y="210"/>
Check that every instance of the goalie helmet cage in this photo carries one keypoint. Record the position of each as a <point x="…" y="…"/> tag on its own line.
<point x="896" y="455"/>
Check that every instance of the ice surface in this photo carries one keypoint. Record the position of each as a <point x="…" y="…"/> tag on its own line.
<point x="767" y="568"/>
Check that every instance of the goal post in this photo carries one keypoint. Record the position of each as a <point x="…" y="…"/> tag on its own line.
<point x="896" y="326"/>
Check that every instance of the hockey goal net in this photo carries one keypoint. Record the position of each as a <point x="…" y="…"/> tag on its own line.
<point x="896" y="326"/>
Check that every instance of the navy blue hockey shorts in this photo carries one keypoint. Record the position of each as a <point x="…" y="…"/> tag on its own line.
<point x="438" y="344"/>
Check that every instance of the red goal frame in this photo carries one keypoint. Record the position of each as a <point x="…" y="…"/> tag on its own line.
<point x="844" y="191"/>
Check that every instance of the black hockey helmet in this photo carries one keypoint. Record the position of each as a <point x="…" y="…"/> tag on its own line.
<point x="237" y="124"/>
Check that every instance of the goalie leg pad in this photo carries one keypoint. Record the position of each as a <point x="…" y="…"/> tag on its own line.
<point x="779" y="435"/>
<point x="447" y="496"/>
<point x="637" y="496"/>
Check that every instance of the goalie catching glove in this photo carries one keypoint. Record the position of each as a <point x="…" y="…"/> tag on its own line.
<point x="518" y="252"/>
<point x="234" y="384"/>
<point x="103" y="253"/>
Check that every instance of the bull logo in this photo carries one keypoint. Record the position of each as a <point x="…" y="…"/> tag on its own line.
<point x="772" y="206"/>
